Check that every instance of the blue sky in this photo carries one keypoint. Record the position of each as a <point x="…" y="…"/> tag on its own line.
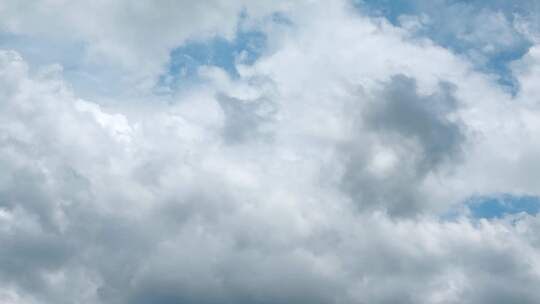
<point x="224" y="53"/>
<point x="182" y="68"/>
<point x="447" y="35"/>
<point x="500" y="205"/>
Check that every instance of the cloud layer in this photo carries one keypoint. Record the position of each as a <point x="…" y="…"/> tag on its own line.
<point x="335" y="167"/>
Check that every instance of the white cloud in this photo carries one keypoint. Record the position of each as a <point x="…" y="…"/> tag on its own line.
<point x="132" y="40"/>
<point x="318" y="176"/>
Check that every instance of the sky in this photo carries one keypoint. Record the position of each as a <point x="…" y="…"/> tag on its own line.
<point x="269" y="152"/>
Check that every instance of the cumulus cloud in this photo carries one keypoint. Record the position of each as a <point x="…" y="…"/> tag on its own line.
<point x="491" y="35"/>
<point x="324" y="172"/>
<point x="125" y="43"/>
<point x="408" y="137"/>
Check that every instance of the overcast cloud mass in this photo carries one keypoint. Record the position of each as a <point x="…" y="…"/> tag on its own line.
<point x="269" y="152"/>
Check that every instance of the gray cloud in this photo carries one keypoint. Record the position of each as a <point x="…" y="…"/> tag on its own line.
<point x="399" y="112"/>
<point x="419" y="136"/>
<point x="246" y="119"/>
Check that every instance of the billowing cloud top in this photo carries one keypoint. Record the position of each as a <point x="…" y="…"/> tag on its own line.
<point x="270" y="152"/>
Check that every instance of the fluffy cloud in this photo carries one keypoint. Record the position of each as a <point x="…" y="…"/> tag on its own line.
<point x="490" y="35"/>
<point x="323" y="173"/>
<point x="411" y="137"/>
<point x="123" y="42"/>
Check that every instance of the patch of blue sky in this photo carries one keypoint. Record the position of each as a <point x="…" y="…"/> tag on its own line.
<point x="389" y="9"/>
<point x="499" y="64"/>
<point x="496" y="63"/>
<point x="88" y="80"/>
<point x="42" y="51"/>
<point x="490" y="207"/>
<point x="494" y="207"/>
<point x="182" y="69"/>
<point x="450" y="34"/>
